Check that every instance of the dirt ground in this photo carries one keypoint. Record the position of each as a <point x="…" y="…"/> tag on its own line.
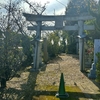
<point x="18" y="87"/>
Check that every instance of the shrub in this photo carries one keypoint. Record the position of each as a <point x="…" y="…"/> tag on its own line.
<point x="98" y="67"/>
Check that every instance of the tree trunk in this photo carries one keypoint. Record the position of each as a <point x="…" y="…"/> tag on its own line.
<point x="3" y="82"/>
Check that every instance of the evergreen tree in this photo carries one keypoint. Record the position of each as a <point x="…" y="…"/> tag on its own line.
<point x="79" y="8"/>
<point x="76" y="8"/>
<point x="94" y="9"/>
<point x="53" y="47"/>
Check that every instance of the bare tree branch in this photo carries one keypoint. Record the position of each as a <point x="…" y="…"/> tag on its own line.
<point x="36" y="7"/>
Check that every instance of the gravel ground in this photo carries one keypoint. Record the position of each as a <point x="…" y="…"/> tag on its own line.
<point x="50" y="75"/>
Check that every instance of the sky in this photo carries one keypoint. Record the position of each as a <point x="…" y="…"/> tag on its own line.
<point x="56" y="7"/>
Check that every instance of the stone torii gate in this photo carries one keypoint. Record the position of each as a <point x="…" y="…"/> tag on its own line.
<point x="59" y="25"/>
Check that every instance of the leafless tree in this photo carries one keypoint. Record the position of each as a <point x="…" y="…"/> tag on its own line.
<point x="11" y="17"/>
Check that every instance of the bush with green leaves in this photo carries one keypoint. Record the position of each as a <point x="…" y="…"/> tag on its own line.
<point x="11" y="54"/>
<point x="53" y="46"/>
<point x="98" y="67"/>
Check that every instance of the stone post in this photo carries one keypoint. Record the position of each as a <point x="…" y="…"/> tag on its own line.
<point x="45" y="53"/>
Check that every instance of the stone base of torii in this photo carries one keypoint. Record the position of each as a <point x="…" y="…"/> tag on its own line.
<point x="59" y="25"/>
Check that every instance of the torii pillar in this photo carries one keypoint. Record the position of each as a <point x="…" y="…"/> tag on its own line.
<point x="81" y="44"/>
<point x="37" y="47"/>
